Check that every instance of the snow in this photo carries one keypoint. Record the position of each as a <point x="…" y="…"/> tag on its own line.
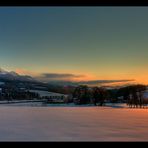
<point x="145" y="94"/>
<point x="1" y="83"/>
<point x="24" y="123"/>
<point x="42" y="104"/>
<point x="22" y="103"/>
<point x="46" y="93"/>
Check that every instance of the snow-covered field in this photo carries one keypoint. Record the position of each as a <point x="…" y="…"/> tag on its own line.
<point x="24" y="123"/>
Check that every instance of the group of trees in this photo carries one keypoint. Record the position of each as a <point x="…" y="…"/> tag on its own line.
<point x="84" y="95"/>
<point x="134" y="95"/>
<point x="10" y="94"/>
<point x="98" y="95"/>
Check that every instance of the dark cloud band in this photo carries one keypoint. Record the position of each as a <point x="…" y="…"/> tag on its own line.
<point x="57" y="75"/>
<point x="105" y="81"/>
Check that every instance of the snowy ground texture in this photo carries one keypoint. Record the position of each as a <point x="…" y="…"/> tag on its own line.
<point x="26" y="123"/>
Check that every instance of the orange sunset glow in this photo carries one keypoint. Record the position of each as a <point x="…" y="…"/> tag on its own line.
<point x="91" y="44"/>
<point x="73" y="73"/>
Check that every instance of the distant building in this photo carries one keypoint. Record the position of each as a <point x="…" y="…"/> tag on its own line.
<point x="51" y="96"/>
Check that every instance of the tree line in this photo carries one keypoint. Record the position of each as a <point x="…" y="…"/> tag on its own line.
<point x="11" y="94"/>
<point x="132" y="95"/>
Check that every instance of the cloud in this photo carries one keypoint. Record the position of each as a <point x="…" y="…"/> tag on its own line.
<point x="94" y="82"/>
<point x="77" y="79"/>
<point x="60" y="76"/>
<point x="57" y="75"/>
<point x="72" y="78"/>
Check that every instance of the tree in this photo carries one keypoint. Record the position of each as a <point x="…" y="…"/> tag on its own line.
<point x="82" y="94"/>
<point x="95" y="95"/>
<point x="136" y="98"/>
<point x="113" y="95"/>
<point x="100" y="94"/>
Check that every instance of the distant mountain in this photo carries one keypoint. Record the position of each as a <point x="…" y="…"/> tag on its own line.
<point x="10" y="76"/>
<point x="13" y="76"/>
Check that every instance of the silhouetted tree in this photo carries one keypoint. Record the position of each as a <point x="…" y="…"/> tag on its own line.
<point x="96" y="95"/>
<point x="113" y="95"/>
<point x="82" y="94"/>
<point x="133" y="94"/>
<point x="100" y="94"/>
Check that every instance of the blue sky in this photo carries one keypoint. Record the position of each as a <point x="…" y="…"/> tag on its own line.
<point x="100" y="42"/>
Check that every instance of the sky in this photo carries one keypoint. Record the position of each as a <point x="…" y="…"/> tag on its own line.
<point x="75" y="43"/>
